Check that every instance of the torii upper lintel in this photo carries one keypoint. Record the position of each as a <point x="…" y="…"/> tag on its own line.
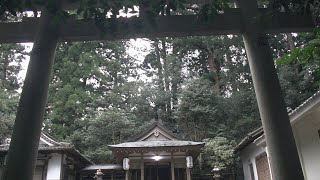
<point x="229" y="22"/>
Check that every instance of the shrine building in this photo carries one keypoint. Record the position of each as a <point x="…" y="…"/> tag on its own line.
<point x="154" y="154"/>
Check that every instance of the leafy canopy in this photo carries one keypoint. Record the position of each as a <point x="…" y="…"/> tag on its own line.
<point x="218" y="152"/>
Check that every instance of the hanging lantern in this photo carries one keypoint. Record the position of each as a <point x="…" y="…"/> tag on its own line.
<point x="189" y="162"/>
<point x="126" y="165"/>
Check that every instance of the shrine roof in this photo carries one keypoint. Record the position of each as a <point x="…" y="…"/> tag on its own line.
<point x="153" y="144"/>
<point x="157" y="136"/>
<point x="48" y="144"/>
<point x="149" y="129"/>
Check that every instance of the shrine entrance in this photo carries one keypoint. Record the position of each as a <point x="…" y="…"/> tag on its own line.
<point x="157" y="172"/>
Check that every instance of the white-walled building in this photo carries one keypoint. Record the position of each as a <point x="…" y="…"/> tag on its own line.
<point x="305" y="122"/>
<point x="56" y="160"/>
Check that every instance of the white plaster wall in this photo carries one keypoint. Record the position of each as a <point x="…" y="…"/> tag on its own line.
<point x="54" y="167"/>
<point x="248" y="155"/>
<point x="308" y="143"/>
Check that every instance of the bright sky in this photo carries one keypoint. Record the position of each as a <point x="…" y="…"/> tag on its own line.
<point x="25" y="63"/>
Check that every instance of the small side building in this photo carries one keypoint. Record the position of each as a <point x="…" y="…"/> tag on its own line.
<point x="305" y="122"/>
<point x="55" y="161"/>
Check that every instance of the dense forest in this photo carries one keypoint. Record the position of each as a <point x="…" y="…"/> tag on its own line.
<point x="102" y="93"/>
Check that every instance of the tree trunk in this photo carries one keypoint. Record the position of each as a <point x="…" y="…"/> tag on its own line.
<point x="23" y="150"/>
<point x="166" y="76"/>
<point x="290" y="40"/>
<point x="175" y="81"/>
<point x="5" y="83"/>
<point x="291" y="47"/>
<point x="160" y="68"/>
<point x="161" y="105"/>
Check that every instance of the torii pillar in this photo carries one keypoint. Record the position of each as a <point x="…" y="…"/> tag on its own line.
<point x="27" y="127"/>
<point x="284" y="159"/>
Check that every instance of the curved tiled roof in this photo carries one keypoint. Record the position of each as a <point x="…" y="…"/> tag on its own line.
<point x="306" y="105"/>
<point x="52" y="146"/>
<point x="249" y="139"/>
<point x="140" y="141"/>
<point x="44" y="135"/>
<point x="149" y="128"/>
<point x="151" y="144"/>
<point x="5" y="148"/>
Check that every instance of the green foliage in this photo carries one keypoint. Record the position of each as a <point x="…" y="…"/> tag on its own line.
<point x="299" y="71"/>
<point x="218" y="153"/>
<point x="213" y="8"/>
<point x="199" y="114"/>
<point x="241" y="113"/>
<point x="11" y="56"/>
<point x="303" y="55"/>
<point x="87" y="77"/>
<point x="296" y="6"/>
<point x="165" y="70"/>
<point x="297" y="83"/>
<point x="12" y="6"/>
<point x="202" y="113"/>
<point x="112" y="126"/>
<point x="231" y="111"/>
<point x="8" y="107"/>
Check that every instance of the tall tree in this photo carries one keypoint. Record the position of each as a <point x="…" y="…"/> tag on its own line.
<point x="11" y="56"/>
<point x="112" y="126"/>
<point x="299" y="69"/>
<point x="8" y="107"/>
<point x="87" y="77"/>
<point x="165" y="69"/>
<point x="199" y="114"/>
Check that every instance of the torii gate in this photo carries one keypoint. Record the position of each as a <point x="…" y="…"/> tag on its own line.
<point x="284" y="160"/>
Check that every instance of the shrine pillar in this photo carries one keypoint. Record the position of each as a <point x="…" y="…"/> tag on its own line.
<point x="172" y="167"/>
<point x="127" y="174"/>
<point x="284" y="159"/>
<point x="188" y="172"/>
<point x="27" y="127"/>
<point x="142" y="167"/>
<point x="112" y="175"/>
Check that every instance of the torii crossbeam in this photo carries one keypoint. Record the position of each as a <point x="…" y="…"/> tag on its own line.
<point x="229" y="22"/>
<point x="45" y="34"/>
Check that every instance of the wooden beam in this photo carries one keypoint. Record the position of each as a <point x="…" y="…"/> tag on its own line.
<point x="166" y="26"/>
<point x="71" y="5"/>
